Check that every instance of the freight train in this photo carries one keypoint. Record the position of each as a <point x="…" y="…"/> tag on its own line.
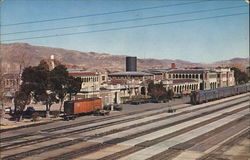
<point x="197" y="97"/>
<point x="72" y="109"/>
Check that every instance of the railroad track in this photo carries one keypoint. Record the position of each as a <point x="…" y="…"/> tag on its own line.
<point x="95" y="148"/>
<point x="84" y="151"/>
<point x="177" y="150"/>
<point x="86" y="129"/>
<point x="218" y="152"/>
<point x="86" y="123"/>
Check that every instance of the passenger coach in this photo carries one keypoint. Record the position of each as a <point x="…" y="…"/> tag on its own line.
<point x="197" y="97"/>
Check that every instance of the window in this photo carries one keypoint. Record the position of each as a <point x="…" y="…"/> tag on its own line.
<point x="201" y="76"/>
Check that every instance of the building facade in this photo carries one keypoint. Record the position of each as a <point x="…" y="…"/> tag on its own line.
<point x="91" y="81"/>
<point x="225" y="77"/>
<point x="11" y="83"/>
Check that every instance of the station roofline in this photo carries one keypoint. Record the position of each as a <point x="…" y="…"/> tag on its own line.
<point x="130" y="74"/>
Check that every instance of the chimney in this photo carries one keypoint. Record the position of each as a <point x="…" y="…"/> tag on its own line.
<point x="173" y="65"/>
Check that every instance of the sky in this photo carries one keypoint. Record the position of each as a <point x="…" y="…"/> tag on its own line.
<point x="197" y="31"/>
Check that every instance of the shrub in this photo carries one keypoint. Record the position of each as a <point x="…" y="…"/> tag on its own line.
<point x="56" y="114"/>
<point x="35" y="116"/>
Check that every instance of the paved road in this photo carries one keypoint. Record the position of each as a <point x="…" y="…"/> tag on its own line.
<point x="214" y="130"/>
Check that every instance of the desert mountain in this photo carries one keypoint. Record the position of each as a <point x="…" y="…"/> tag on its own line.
<point x="16" y="55"/>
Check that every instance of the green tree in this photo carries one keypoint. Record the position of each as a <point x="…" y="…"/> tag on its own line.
<point x="157" y="91"/>
<point x="63" y="84"/>
<point x="59" y="79"/>
<point x="49" y="86"/>
<point x="240" y="77"/>
<point x="170" y="94"/>
<point x="21" y="99"/>
<point x="73" y="86"/>
<point x="143" y="91"/>
<point x="36" y="82"/>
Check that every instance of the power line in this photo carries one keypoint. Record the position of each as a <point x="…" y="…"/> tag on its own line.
<point x="120" y="21"/>
<point x="105" y="13"/>
<point x="129" y="27"/>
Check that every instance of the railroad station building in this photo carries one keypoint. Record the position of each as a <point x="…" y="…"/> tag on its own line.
<point x="91" y="80"/>
<point x="181" y="86"/>
<point x="183" y="80"/>
<point x="132" y="77"/>
<point x="184" y="74"/>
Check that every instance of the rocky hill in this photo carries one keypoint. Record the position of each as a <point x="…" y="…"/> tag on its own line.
<point x="16" y="55"/>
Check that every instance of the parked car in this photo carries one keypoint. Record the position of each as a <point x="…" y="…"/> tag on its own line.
<point x="29" y="111"/>
<point x="117" y="107"/>
<point x="7" y="110"/>
<point x="136" y="102"/>
<point x="107" y="107"/>
<point x="154" y="101"/>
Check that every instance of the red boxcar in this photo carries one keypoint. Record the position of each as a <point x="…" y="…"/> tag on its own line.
<point x="82" y="106"/>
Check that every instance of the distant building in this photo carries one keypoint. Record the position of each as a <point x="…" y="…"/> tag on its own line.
<point x="173" y="65"/>
<point x="225" y="77"/>
<point x="136" y="77"/>
<point x="95" y="85"/>
<point x="119" y="87"/>
<point x="202" y="79"/>
<point x="206" y="78"/>
<point x="11" y="83"/>
<point x="159" y="74"/>
<point x="181" y="86"/>
<point x="91" y="81"/>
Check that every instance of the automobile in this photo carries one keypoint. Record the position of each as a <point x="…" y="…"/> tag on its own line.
<point x="127" y="102"/>
<point x="7" y="110"/>
<point x="117" y="107"/>
<point x="154" y="101"/>
<point x="147" y="100"/>
<point x="30" y="110"/>
<point x="178" y="96"/>
<point x="136" y="102"/>
<point x="107" y="107"/>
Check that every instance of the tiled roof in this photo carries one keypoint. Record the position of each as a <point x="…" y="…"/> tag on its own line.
<point x="80" y="74"/>
<point x="11" y="75"/>
<point x="130" y="74"/>
<point x="187" y="71"/>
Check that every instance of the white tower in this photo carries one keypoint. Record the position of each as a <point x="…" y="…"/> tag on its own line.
<point x="52" y="58"/>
